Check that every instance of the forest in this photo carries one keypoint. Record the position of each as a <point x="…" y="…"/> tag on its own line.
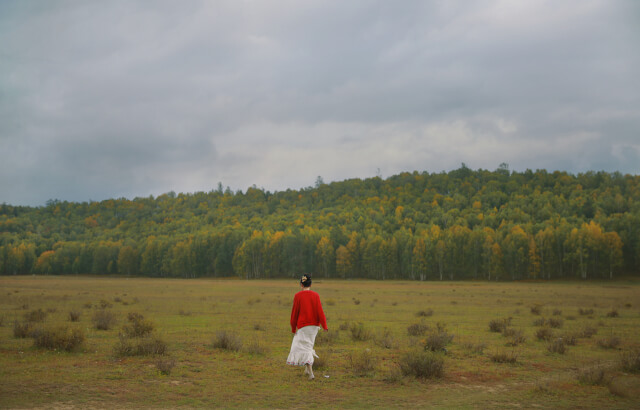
<point x="457" y="225"/>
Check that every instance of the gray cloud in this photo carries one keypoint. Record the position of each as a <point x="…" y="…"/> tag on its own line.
<point x="109" y="99"/>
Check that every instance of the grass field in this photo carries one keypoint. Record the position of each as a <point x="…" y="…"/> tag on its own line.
<point x="188" y="316"/>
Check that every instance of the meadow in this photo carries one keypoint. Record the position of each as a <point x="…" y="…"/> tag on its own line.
<point x="107" y="342"/>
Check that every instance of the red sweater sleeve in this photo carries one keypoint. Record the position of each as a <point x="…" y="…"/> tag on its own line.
<point x="295" y="311"/>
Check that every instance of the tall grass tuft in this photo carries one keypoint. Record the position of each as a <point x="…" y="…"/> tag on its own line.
<point x="422" y="364"/>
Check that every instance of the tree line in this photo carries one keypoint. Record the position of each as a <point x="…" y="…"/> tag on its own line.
<point x="462" y="224"/>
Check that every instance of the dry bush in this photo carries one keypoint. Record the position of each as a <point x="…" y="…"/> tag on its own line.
<point x="587" y="332"/>
<point x="22" y="330"/>
<point x="165" y="365"/>
<point x="570" y="339"/>
<point x="359" y="332"/>
<point x="422" y="364"/>
<point x="327" y="338"/>
<point x="613" y="313"/>
<point x="555" y="323"/>
<point x="362" y="363"/>
<point x="103" y="319"/>
<point x="593" y="376"/>
<point x="437" y="340"/>
<point x="35" y="316"/>
<point x="74" y="316"/>
<point x="557" y="312"/>
<point x="424" y="313"/>
<point x="540" y="322"/>
<point x="227" y="341"/>
<point x="536" y="309"/>
<point x="610" y="342"/>
<point x="557" y="346"/>
<point x="259" y="327"/>
<point x="585" y="312"/>
<point x="142" y="346"/>
<point x="87" y="305"/>
<point x="499" y="325"/>
<point x="356" y="301"/>
<point x="58" y="338"/>
<point x="630" y="361"/>
<point x="105" y="304"/>
<point x="514" y="336"/>
<point x="544" y="333"/>
<point x="117" y="299"/>
<point x="138" y="326"/>
<point x="385" y="339"/>
<point x="417" y="329"/>
<point x="256" y="348"/>
<point x="504" y="356"/>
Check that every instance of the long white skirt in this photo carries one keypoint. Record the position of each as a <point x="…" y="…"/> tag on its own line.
<point x="302" y="352"/>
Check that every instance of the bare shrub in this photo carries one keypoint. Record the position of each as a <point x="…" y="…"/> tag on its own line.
<point x="22" y="330"/>
<point x="256" y="348"/>
<point x="557" y="312"/>
<point x="165" y="365"/>
<point x="585" y="312"/>
<point x="385" y="339"/>
<point x="593" y="376"/>
<point x="498" y="325"/>
<point x="227" y="341"/>
<point x="544" y="333"/>
<point x="557" y="346"/>
<point x="504" y="356"/>
<point x="58" y="338"/>
<point x="613" y="313"/>
<point x="417" y="329"/>
<point x="327" y="338"/>
<point x="587" y="332"/>
<point x="138" y="326"/>
<point x="610" y="342"/>
<point x="514" y="336"/>
<point x="142" y="346"/>
<point x="536" y="309"/>
<point x="424" y="313"/>
<point x="555" y="323"/>
<point x="35" y="316"/>
<point x="422" y="364"/>
<point x="570" y="339"/>
<point x="103" y="319"/>
<point x="630" y="361"/>
<point x="362" y="363"/>
<point x="74" y="316"/>
<point x="359" y="332"/>
<point x="437" y="340"/>
<point x="540" y="322"/>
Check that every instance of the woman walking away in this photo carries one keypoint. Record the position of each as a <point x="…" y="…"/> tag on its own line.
<point x="306" y="318"/>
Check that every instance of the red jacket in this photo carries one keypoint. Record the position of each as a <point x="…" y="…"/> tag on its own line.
<point x="307" y="311"/>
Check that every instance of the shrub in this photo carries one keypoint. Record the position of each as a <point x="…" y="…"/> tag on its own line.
<point x="557" y="346"/>
<point x="256" y="348"/>
<point x="613" y="313"/>
<point x="165" y="365"/>
<point x="138" y="326"/>
<point x="630" y="361"/>
<point x="544" y="333"/>
<point x="143" y="346"/>
<point x="385" y="339"/>
<point x="58" y="338"/>
<point x="417" y="329"/>
<point x="536" y="309"/>
<point x="362" y="363"/>
<point x="103" y="319"/>
<point x="610" y="342"/>
<point x="356" y="301"/>
<point x="570" y="339"/>
<point x="22" y="330"/>
<point x="227" y="341"/>
<point x="504" y="356"/>
<point x="585" y="312"/>
<point x="422" y="364"/>
<point x="540" y="322"/>
<point x="593" y="376"/>
<point x="328" y="337"/>
<point x="359" y="332"/>
<point x="587" y="332"/>
<point x="437" y="341"/>
<point x="514" y="336"/>
<point x="424" y="313"/>
<point x="555" y="323"/>
<point x="35" y="316"/>
<point x="498" y="325"/>
<point x="74" y="316"/>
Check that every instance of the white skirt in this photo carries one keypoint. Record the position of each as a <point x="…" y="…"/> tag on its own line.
<point x="302" y="352"/>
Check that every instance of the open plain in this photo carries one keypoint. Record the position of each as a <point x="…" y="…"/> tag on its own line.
<point x="223" y="343"/>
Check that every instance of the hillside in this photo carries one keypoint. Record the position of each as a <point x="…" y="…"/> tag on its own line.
<point x="426" y="226"/>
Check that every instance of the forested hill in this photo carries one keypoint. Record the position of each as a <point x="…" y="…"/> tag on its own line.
<point x="458" y="225"/>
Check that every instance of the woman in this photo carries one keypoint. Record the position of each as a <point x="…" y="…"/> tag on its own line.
<point x="306" y="318"/>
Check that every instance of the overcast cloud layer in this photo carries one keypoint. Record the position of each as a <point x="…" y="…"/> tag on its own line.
<point x="107" y="99"/>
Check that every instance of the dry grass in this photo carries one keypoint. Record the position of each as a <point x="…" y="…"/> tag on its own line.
<point x="362" y="362"/>
<point x="422" y="364"/>
<point x="359" y="332"/>
<point x="227" y="341"/>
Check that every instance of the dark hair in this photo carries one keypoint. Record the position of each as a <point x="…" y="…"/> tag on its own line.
<point x="306" y="280"/>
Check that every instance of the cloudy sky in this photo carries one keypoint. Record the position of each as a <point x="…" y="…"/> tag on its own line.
<point x="108" y="99"/>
